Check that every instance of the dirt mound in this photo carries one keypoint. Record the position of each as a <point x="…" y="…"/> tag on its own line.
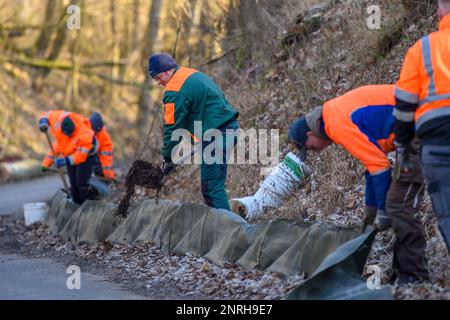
<point x="143" y="174"/>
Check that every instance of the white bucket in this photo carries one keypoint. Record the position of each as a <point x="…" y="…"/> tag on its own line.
<point x="273" y="190"/>
<point x="35" y="212"/>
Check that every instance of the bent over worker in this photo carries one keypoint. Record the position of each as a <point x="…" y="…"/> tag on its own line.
<point x="423" y="107"/>
<point x="105" y="147"/>
<point x="361" y="121"/>
<point x="191" y="96"/>
<point x="75" y="147"/>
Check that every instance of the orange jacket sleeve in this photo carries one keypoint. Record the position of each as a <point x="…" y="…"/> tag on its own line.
<point x="408" y="95"/>
<point x="408" y="86"/>
<point x="50" y="158"/>
<point x="105" y="153"/>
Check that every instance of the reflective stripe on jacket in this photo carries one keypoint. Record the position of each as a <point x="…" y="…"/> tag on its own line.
<point x="190" y="97"/>
<point x="362" y="122"/>
<point x="78" y="146"/>
<point x="423" y="90"/>
<point x="105" y="153"/>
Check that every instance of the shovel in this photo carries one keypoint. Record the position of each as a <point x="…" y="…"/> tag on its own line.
<point x="182" y="159"/>
<point x="59" y="170"/>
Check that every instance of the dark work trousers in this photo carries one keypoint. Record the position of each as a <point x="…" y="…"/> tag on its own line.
<point x="402" y="205"/>
<point x="213" y="174"/>
<point x="79" y="176"/>
<point x="98" y="171"/>
<point x="436" y="169"/>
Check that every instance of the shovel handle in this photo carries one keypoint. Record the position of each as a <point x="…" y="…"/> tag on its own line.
<point x="66" y="186"/>
<point x="188" y="155"/>
<point x="181" y="160"/>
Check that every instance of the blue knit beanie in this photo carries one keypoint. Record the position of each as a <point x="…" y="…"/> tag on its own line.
<point x="96" y="122"/>
<point x="67" y="126"/>
<point x="297" y="133"/>
<point x="160" y="62"/>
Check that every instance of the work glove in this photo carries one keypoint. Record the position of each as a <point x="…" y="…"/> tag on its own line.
<point x="382" y="220"/>
<point x="60" y="162"/>
<point x="44" y="168"/>
<point x="43" y="125"/>
<point x="404" y="164"/>
<point x="168" y="167"/>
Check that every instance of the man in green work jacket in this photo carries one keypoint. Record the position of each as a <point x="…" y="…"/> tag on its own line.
<point x="191" y="96"/>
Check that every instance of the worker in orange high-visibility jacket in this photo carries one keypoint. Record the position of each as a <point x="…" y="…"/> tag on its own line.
<point x="75" y="147"/>
<point x="423" y="108"/>
<point x="105" y="147"/>
<point x="361" y="121"/>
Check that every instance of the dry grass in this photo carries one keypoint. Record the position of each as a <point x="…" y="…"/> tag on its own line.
<point x="282" y="83"/>
<point x="341" y="56"/>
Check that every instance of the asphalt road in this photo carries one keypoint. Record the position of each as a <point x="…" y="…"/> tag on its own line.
<point x="43" y="279"/>
<point x="14" y="195"/>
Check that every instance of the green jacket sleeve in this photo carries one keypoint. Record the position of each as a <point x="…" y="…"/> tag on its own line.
<point x="176" y="111"/>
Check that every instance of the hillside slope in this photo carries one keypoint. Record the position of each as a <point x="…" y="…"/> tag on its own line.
<point x="324" y="52"/>
<point x="340" y="54"/>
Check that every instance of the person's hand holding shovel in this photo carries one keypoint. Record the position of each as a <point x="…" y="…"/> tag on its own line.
<point x="168" y="167"/>
<point x="43" y="127"/>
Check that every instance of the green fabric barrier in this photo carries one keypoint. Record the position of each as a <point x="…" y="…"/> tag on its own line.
<point x="339" y="276"/>
<point x="227" y="236"/>
<point x="331" y="260"/>
<point x="93" y="222"/>
<point x="309" y="249"/>
<point x="60" y="211"/>
<point x="146" y="221"/>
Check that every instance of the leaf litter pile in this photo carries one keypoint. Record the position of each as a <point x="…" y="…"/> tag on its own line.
<point x="143" y="174"/>
<point x="143" y="268"/>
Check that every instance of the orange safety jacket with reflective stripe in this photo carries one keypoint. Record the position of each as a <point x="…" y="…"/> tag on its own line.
<point x="423" y="89"/>
<point x="361" y="121"/>
<point x="105" y="153"/>
<point x="78" y="146"/>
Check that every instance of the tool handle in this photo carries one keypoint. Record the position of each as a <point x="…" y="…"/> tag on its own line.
<point x="186" y="156"/>
<point x="66" y="186"/>
<point x="181" y="160"/>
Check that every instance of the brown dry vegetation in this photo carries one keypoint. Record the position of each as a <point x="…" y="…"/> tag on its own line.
<point x="340" y="56"/>
<point x="272" y="73"/>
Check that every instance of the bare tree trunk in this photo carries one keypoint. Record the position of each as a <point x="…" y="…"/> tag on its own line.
<point x="150" y="39"/>
<point x="58" y="44"/>
<point x="135" y="32"/>
<point x="250" y="24"/>
<point x="190" y="26"/>
<point x="115" y="51"/>
<point x="71" y="99"/>
<point x="44" y="40"/>
<point x="206" y="41"/>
